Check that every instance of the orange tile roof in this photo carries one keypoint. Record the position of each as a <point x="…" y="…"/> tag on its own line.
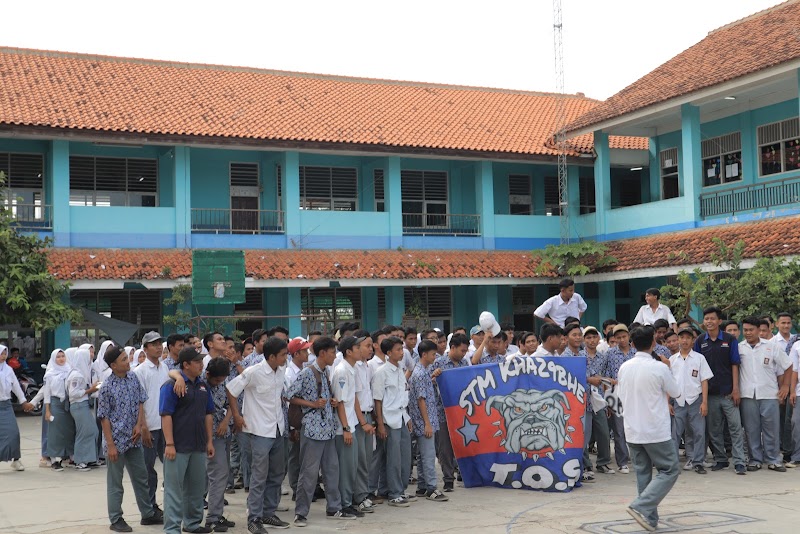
<point x="226" y="104"/>
<point x="760" y="41"/>
<point x="772" y="237"/>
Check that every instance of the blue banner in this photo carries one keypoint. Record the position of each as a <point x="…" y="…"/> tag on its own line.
<point x="518" y="424"/>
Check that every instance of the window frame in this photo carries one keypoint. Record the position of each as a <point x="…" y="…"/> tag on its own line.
<point x="332" y="200"/>
<point x="786" y="127"/>
<point x="719" y="148"/>
<point x="663" y="165"/>
<point x="426" y="215"/>
<point x="10" y="199"/>
<point x="93" y="194"/>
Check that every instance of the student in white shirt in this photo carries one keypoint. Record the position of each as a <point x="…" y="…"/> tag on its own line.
<point x="654" y="310"/>
<point x="692" y="373"/>
<point x="566" y="304"/>
<point x="377" y="472"/>
<point x="765" y="374"/>
<point x="365" y="429"/>
<point x="262" y="385"/>
<point x="551" y="336"/>
<point x="390" y="392"/>
<point x="644" y="385"/>
<point x="781" y="340"/>
<point x="794" y="355"/>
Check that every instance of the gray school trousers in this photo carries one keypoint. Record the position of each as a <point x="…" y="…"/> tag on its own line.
<point x="131" y="460"/>
<point x="721" y="408"/>
<point x="266" y="475"/>
<point x="444" y="449"/>
<point x="664" y="457"/>
<point x="762" y="424"/>
<point x="217" y="469"/>
<point x="313" y="455"/>
<point x="688" y="418"/>
<point x="365" y="445"/>
<point x="620" y="445"/>
<point x="398" y="460"/>
<point x="348" y="467"/>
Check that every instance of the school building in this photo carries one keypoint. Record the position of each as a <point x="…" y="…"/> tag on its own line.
<point x="376" y="200"/>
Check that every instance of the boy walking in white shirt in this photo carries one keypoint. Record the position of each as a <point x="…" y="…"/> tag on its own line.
<point x="365" y="429"/>
<point x="692" y="373"/>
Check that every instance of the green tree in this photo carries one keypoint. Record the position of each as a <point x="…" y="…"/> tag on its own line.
<point x="573" y="259"/>
<point x="31" y="296"/>
<point x="767" y="287"/>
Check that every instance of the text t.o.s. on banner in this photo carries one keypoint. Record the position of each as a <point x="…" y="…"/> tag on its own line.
<point x="518" y="424"/>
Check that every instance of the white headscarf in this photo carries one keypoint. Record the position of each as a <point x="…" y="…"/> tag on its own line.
<point x="99" y="366"/>
<point x="129" y="351"/>
<point x="80" y="360"/>
<point x="135" y="361"/>
<point x="4" y="367"/>
<point x="56" y="374"/>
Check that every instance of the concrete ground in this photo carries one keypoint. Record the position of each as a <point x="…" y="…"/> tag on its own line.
<point x="39" y="500"/>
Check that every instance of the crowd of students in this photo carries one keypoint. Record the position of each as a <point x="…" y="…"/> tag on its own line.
<point x="355" y="412"/>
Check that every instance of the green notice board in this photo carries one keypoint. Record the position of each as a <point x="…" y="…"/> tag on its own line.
<point x="217" y="276"/>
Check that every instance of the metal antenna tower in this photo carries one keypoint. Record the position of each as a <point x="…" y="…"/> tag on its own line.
<point x="561" y="123"/>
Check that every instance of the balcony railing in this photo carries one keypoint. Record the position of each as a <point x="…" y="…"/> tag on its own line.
<point x="236" y="221"/>
<point x="31" y="217"/>
<point x="441" y="224"/>
<point x="750" y="197"/>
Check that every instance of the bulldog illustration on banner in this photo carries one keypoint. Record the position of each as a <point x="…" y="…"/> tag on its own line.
<point x="518" y="424"/>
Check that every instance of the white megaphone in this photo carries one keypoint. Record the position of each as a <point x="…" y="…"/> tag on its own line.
<point x="488" y="322"/>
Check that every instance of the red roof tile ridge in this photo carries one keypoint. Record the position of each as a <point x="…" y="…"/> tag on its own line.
<point x="754" y="15"/>
<point x="286" y="73"/>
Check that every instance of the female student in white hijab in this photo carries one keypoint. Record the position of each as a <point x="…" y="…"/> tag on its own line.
<point x="138" y="357"/>
<point x="78" y="390"/>
<point x="9" y="431"/>
<point x="100" y="369"/>
<point x="61" y="426"/>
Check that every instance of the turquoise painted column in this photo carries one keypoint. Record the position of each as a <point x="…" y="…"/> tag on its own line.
<point x="58" y="173"/>
<point x="393" y="201"/>
<point x="691" y="165"/>
<point x="395" y="305"/>
<point x="749" y="149"/>
<point x="608" y="303"/>
<point x="183" y="196"/>
<point x="655" y="169"/>
<point x="573" y="199"/>
<point x="484" y="201"/>
<point x="488" y="300"/>
<point x="369" y="307"/>
<point x="290" y="198"/>
<point x="505" y="304"/>
<point x="294" y="324"/>
<point x="602" y="181"/>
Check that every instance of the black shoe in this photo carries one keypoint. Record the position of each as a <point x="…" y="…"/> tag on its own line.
<point x="238" y="485"/>
<point x="740" y="469"/>
<point x="198" y="530"/>
<point x="421" y="493"/>
<point x="255" y="527"/>
<point x="699" y="469"/>
<point x="274" y="521"/>
<point x="217" y="526"/>
<point x="448" y="487"/>
<point x="229" y="490"/>
<point x="353" y="510"/>
<point x="228" y="523"/>
<point x="155" y="519"/>
<point x="120" y="526"/>
<point x="319" y="493"/>
<point x="247" y="490"/>
<point x="720" y="465"/>
<point x="158" y="511"/>
<point x="225" y="502"/>
<point x="458" y="477"/>
<point x="294" y="496"/>
<point x="753" y="467"/>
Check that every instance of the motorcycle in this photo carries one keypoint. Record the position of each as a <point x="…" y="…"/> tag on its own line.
<point x="30" y="387"/>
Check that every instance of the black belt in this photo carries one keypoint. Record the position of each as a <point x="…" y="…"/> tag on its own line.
<point x="367" y="413"/>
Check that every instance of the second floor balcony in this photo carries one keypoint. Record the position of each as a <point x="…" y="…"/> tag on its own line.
<point x="751" y="197"/>
<point x="31" y="217"/>
<point x="442" y="224"/>
<point x="236" y="221"/>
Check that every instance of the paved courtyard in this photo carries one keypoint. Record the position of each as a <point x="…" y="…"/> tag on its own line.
<point x="38" y="501"/>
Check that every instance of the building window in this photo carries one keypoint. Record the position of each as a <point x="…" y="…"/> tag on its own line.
<point x="24" y="184"/>
<point x="722" y="159"/>
<point x="424" y="196"/>
<point x="433" y="305"/>
<point x="779" y="147"/>
<point x="669" y="174"/>
<point x="587" y="194"/>
<point x="551" y="204"/>
<point x="328" y="188"/>
<point x="325" y="308"/>
<point x="520" y="199"/>
<point x="380" y="195"/>
<point x="100" y="181"/>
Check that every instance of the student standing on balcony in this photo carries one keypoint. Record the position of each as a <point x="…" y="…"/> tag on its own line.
<point x="654" y="310"/>
<point x="566" y="304"/>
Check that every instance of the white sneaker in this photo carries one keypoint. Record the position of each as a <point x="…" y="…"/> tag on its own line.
<point x="624" y="470"/>
<point x="688" y="466"/>
<point x="16" y="465"/>
<point x="708" y="464"/>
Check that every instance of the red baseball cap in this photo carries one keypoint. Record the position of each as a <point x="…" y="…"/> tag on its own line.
<point x="298" y="344"/>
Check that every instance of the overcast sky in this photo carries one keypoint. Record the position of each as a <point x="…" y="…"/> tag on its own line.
<point x="608" y="44"/>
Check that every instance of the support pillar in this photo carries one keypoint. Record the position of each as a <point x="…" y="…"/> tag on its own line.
<point x="58" y="179"/>
<point x="602" y="181"/>
<point x="395" y="305"/>
<point x="655" y="169"/>
<point x="393" y="201"/>
<point x="691" y="162"/>
<point x="290" y="197"/>
<point x="607" y="308"/>
<point x="183" y="196"/>
<point x="484" y="202"/>
<point x="294" y="324"/>
<point x="369" y="319"/>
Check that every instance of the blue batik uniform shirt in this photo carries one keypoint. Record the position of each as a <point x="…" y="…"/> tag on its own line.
<point x="616" y="358"/>
<point x="421" y="387"/>
<point x="119" y="402"/>
<point x="219" y="394"/>
<point x="318" y="423"/>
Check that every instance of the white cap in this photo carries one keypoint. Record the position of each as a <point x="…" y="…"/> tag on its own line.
<point x="488" y="322"/>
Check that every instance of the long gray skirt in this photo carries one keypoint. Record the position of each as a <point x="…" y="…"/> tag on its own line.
<point x="9" y="433"/>
<point x="85" y="450"/>
<point x="61" y="431"/>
